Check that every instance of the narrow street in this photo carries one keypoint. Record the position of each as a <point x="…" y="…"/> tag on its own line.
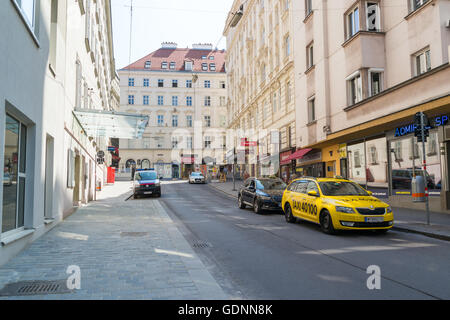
<point x="263" y="257"/>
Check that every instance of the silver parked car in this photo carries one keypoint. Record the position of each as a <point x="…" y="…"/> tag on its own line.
<point x="197" y="177"/>
<point x="7" y="180"/>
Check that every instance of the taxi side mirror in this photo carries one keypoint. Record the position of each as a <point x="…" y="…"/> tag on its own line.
<point x="313" y="193"/>
<point x="370" y="193"/>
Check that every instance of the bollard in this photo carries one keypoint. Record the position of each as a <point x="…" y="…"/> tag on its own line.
<point x="418" y="188"/>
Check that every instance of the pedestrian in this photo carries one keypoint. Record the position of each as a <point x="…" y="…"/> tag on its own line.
<point x="133" y="171"/>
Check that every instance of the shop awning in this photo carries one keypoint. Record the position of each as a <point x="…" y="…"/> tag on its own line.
<point x="299" y="154"/>
<point x="111" y="124"/>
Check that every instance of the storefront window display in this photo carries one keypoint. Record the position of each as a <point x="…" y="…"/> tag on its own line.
<point x="368" y="165"/>
<point x="407" y="161"/>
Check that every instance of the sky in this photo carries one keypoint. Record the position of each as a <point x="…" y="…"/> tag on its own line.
<point x="155" y="21"/>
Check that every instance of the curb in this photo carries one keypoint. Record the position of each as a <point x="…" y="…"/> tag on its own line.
<point x="424" y="233"/>
<point x="397" y="228"/>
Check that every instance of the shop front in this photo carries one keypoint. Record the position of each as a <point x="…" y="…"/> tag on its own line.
<point x="310" y="164"/>
<point x="287" y="166"/>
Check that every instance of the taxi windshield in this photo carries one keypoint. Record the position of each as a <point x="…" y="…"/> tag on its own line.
<point x="196" y="174"/>
<point x="146" y="175"/>
<point x="274" y="184"/>
<point x="341" y="188"/>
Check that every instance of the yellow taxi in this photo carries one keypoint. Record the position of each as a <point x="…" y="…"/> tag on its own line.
<point x="335" y="204"/>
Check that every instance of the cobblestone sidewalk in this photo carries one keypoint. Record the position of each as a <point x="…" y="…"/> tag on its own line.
<point x="125" y="250"/>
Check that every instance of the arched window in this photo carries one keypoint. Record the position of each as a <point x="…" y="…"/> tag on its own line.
<point x="130" y="163"/>
<point x="145" y="164"/>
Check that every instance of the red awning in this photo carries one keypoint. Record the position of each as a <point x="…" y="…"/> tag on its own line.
<point x="299" y="154"/>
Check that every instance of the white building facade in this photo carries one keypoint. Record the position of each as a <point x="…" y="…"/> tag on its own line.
<point x="59" y="59"/>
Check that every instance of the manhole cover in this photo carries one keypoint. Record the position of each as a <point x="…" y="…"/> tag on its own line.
<point x="32" y="288"/>
<point x="201" y="244"/>
<point x="134" y="234"/>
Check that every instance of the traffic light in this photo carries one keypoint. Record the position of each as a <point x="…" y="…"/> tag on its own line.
<point x="418" y="126"/>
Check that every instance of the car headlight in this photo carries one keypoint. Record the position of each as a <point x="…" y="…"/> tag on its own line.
<point x="345" y="209"/>
<point x="389" y="209"/>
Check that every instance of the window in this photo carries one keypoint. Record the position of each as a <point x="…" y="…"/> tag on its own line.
<point x="160" y="100"/>
<point x="287" y="46"/>
<point x="174" y="142"/>
<point x="355" y="89"/>
<point x="207" y="101"/>
<point x="288" y="92"/>
<point x="160" y="83"/>
<point x="164" y="65"/>
<point x="211" y="57"/>
<point x="131" y="99"/>
<point x="416" y="4"/>
<point x="188" y="83"/>
<point x="15" y="172"/>
<point x="263" y="73"/>
<point x="308" y="7"/>
<point x="131" y="82"/>
<point x="207" y="84"/>
<point x="172" y="65"/>
<point x="274" y="102"/>
<point x="174" y="101"/>
<point x="375" y="82"/>
<point x="188" y="65"/>
<point x="207" y="142"/>
<point x="146" y="82"/>
<point x="174" y="83"/>
<point x="174" y="121"/>
<point x="148" y="64"/>
<point x="28" y="10"/>
<point x="146" y="100"/>
<point x="373" y="16"/>
<point x="223" y="121"/>
<point x="189" y="101"/>
<point x="222" y="101"/>
<point x="204" y="57"/>
<point x="353" y="23"/>
<point x="222" y="85"/>
<point x="311" y="110"/>
<point x="422" y="62"/>
<point x="212" y="67"/>
<point x="310" y="56"/>
<point x="204" y="66"/>
<point x="160" y="120"/>
<point x="189" y="121"/>
<point x="207" y="121"/>
<point x="188" y="142"/>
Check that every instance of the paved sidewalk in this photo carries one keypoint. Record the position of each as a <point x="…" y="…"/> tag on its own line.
<point x="408" y="220"/>
<point x="125" y="250"/>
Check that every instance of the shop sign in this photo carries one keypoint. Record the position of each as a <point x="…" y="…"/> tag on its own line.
<point x="343" y="150"/>
<point x="311" y="157"/>
<point x="284" y="156"/>
<point x="410" y="128"/>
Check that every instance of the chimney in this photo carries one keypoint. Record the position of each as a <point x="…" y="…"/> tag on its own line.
<point x="202" y="46"/>
<point x="169" y="45"/>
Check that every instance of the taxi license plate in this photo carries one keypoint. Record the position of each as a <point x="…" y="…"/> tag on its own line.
<point x="374" y="219"/>
<point x="149" y="192"/>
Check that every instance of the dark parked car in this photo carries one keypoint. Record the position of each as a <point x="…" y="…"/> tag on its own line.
<point x="146" y="182"/>
<point x="401" y="178"/>
<point x="261" y="194"/>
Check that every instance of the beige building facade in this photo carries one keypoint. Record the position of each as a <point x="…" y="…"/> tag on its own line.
<point x="184" y="93"/>
<point x="260" y="65"/>
<point x="363" y="70"/>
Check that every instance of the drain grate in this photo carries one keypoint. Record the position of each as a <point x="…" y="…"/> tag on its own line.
<point x="134" y="234"/>
<point x="201" y="244"/>
<point x="32" y="288"/>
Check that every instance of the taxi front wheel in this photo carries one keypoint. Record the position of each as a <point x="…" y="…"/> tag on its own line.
<point x="326" y="223"/>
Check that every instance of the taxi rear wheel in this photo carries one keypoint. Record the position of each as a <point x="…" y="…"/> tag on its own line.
<point x="288" y="214"/>
<point x="326" y="223"/>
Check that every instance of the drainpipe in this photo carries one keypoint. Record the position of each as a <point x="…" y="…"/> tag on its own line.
<point x="327" y="128"/>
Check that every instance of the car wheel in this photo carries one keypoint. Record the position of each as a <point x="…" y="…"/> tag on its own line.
<point x="288" y="214"/>
<point x="326" y="223"/>
<point x="240" y="202"/>
<point x="257" y="206"/>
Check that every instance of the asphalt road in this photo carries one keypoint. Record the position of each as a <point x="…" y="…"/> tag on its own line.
<point x="263" y="257"/>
